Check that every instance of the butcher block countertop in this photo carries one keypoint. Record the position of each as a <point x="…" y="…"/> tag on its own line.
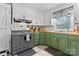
<point x="72" y="33"/>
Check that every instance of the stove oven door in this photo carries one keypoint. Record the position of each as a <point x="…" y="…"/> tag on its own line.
<point x="27" y="41"/>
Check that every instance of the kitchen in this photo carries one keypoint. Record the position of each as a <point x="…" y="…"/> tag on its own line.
<point x="39" y="29"/>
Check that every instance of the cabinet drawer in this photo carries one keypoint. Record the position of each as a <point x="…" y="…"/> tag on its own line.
<point x="37" y="33"/>
<point x="59" y="35"/>
<point x="73" y="37"/>
<point x="42" y="33"/>
<point x="36" y="36"/>
<point x="52" y="37"/>
<point x="62" y="36"/>
<point x="48" y="36"/>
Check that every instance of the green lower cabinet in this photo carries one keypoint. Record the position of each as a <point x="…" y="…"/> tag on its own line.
<point x="77" y="48"/>
<point x="72" y="47"/>
<point x="48" y="35"/>
<point x="68" y="44"/>
<point x="42" y="38"/>
<point x="48" y="38"/>
<point x="48" y="42"/>
<point x="54" y="42"/>
<point x="63" y="45"/>
<point x="36" y="38"/>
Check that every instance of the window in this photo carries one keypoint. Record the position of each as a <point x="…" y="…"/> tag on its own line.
<point x="63" y="19"/>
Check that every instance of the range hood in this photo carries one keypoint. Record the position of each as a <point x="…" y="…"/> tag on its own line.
<point x="22" y="20"/>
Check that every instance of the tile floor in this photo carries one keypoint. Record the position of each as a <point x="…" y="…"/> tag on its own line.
<point x="41" y="51"/>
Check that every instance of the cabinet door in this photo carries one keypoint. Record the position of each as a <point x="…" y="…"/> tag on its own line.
<point x="36" y="38"/>
<point x="77" y="48"/>
<point x="48" y="39"/>
<point x="72" y="47"/>
<point x="26" y="40"/>
<point x="63" y="45"/>
<point x="48" y="42"/>
<point x="54" y="42"/>
<point x="42" y="38"/>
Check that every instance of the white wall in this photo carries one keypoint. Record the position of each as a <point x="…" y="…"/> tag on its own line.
<point x="20" y="11"/>
<point x="41" y="18"/>
<point x="48" y="13"/>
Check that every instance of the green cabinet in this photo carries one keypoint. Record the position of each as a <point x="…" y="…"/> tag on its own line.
<point x="63" y="42"/>
<point x="54" y="41"/>
<point x="36" y="38"/>
<point x="48" y="39"/>
<point x="77" y="48"/>
<point x="63" y="45"/>
<point x="42" y="38"/>
<point x="72" y="45"/>
<point x="48" y="35"/>
<point x="66" y="43"/>
<point x="48" y="42"/>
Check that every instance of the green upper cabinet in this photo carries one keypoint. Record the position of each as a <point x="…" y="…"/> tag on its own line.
<point x="42" y="38"/>
<point x="36" y="38"/>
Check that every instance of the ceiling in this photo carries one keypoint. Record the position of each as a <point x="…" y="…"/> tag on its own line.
<point x="40" y="6"/>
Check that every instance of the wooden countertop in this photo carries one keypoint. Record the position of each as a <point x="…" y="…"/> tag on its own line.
<point x="71" y="33"/>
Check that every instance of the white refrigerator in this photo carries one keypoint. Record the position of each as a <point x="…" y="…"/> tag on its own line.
<point x="5" y="26"/>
